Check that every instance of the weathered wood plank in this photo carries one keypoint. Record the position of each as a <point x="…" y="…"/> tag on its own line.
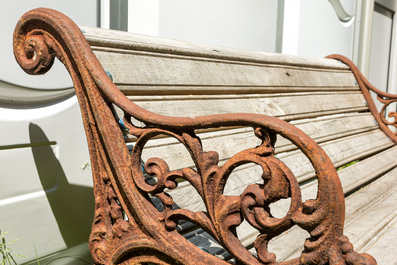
<point x="328" y="128"/>
<point x="99" y="38"/>
<point x="283" y="106"/>
<point x="141" y="69"/>
<point x="340" y="151"/>
<point x="382" y="246"/>
<point x="369" y="219"/>
<point x="223" y="90"/>
<point x="319" y="115"/>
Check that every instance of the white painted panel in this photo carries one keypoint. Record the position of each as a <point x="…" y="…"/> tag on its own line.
<point x="380" y="50"/>
<point x="105" y="14"/>
<point x="249" y="24"/>
<point x="19" y="174"/>
<point x="60" y="123"/>
<point x="35" y="231"/>
<point x="143" y="17"/>
<point x="291" y="27"/>
<point x="321" y="32"/>
<point x="37" y="181"/>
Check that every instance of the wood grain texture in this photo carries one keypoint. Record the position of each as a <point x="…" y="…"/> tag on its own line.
<point x="331" y="127"/>
<point x="285" y="106"/>
<point x="369" y="219"/>
<point x="340" y="151"/>
<point x="223" y="90"/>
<point x="382" y="245"/>
<point x="133" y="69"/>
<point x="133" y="42"/>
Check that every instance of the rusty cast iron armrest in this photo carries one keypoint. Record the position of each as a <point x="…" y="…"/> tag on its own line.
<point x="127" y="227"/>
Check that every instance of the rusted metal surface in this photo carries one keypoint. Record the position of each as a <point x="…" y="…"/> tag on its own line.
<point x="127" y="228"/>
<point x="383" y="97"/>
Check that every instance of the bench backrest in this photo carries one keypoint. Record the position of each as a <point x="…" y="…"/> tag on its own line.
<point x="174" y="78"/>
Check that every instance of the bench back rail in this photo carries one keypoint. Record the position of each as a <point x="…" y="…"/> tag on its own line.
<point x="127" y="226"/>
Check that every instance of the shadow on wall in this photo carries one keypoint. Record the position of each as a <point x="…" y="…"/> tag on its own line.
<point x="72" y="205"/>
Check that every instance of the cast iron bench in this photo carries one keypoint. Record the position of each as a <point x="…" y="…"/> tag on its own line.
<point x="218" y="187"/>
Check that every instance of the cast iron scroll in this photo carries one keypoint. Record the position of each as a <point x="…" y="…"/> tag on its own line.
<point x="383" y="97"/>
<point x="127" y="228"/>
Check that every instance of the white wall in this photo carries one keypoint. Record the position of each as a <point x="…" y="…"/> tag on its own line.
<point x="381" y="71"/>
<point x="308" y="27"/>
<point x="380" y="47"/>
<point x="144" y="17"/>
<point x="321" y="32"/>
<point x="249" y="24"/>
<point x="46" y="197"/>
<point x="83" y="12"/>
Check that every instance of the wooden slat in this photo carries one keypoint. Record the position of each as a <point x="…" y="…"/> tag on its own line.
<point x="223" y="90"/>
<point x="370" y="217"/>
<point x="283" y="106"/>
<point x="382" y="246"/>
<point x="127" y="41"/>
<point x="340" y="152"/>
<point x="169" y="70"/>
<point x="328" y="128"/>
<point x="355" y="176"/>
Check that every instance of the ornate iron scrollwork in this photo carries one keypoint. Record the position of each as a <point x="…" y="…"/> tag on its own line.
<point x="127" y="226"/>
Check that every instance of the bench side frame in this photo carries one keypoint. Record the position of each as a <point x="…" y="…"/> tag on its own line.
<point x="127" y="227"/>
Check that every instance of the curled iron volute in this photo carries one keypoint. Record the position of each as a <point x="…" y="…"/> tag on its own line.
<point x="33" y="53"/>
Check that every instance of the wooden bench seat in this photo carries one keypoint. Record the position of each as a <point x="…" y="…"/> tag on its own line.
<point x="324" y="98"/>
